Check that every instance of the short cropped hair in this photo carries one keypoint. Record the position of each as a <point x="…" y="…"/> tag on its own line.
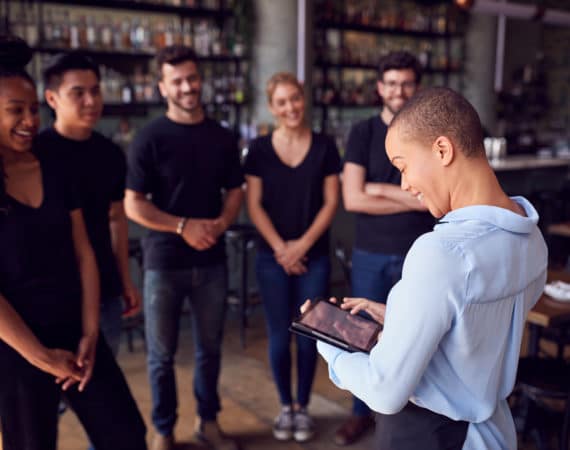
<point x="400" y="60"/>
<point x="281" y="78"/>
<point x="62" y="63"/>
<point x="174" y="55"/>
<point x="440" y="111"/>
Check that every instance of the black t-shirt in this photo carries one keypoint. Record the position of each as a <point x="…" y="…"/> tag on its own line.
<point x="98" y="168"/>
<point x="184" y="168"/>
<point x="390" y="233"/>
<point x="293" y="196"/>
<point x="38" y="270"/>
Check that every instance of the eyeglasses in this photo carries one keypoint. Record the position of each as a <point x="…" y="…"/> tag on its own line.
<point x="405" y="85"/>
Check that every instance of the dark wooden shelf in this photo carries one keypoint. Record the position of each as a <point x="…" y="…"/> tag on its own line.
<point x="374" y="67"/>
<point x="347" y="26"/>
<point x="103" y="53"/>
<point x="133" y="5"/>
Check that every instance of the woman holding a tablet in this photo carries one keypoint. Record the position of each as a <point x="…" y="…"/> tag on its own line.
<point x="292" y="196"/>
<point x="446" y="361"/>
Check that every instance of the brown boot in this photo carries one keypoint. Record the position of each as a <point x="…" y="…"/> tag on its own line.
<point x="161" y="442"/>
<point x="353" y="429"/>
<point x="210" y="434"/>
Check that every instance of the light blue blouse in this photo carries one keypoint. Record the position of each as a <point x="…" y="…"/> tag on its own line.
<point x="454" y="323"/>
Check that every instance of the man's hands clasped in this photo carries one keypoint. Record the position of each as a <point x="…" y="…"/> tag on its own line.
<point x="202" y="234"/>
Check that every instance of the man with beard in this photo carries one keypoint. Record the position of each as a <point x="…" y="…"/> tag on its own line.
<point x="388" y="219"/>
<point x="184" y="185"/>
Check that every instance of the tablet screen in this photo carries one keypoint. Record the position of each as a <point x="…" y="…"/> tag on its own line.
<point x="338" y="323"/>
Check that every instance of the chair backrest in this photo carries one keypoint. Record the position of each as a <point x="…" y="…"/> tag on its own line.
<point x="343" y="257"/>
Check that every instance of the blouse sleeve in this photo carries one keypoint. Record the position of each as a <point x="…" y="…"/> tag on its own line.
<point x="419" y="313"/>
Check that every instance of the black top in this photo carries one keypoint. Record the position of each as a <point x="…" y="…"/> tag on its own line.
<point x="389" y="233"/>
<point x="38" y="270"/>
<point x="293" y="196"/>
<point x="184" y="168"/>
<point x="98" y="167"/>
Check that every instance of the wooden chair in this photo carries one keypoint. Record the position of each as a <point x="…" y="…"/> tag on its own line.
<point x="540" y="380"/>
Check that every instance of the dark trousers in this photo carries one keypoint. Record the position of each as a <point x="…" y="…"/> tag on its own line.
<point x="416" y="428"/>
<point x="373" y="275"/>
<point x="105" y="408"/>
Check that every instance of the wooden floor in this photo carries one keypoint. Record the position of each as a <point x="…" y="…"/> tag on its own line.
<point x="249" y="399"/>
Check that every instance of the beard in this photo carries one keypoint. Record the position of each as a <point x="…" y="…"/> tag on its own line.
<point x="189" y="109"/>
<point x="392" y="110"/>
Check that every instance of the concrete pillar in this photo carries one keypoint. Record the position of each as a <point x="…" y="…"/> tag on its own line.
<point x="480" y="45"/>
<point x="274" y="49"/>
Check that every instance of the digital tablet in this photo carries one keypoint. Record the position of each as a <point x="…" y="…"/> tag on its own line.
<point x="327" y="322"/>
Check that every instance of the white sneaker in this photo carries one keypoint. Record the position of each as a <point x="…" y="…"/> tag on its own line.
<point x="210" y="434"/>
<point x="304" y="425"/>
<point x="283" y="424"/>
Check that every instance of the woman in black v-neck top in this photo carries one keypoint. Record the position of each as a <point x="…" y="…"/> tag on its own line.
<point x="49" y="324"/>
<point x="292" y="196"/>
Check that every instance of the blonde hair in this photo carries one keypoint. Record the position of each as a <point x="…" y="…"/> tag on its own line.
<point x="281" y="78"/>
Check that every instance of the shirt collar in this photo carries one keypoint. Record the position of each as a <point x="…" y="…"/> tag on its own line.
<point x="499" y="217"/>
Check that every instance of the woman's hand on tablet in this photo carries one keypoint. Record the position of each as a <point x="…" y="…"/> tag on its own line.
<point x="307" y="303"/>
<point x="376" y="310"/>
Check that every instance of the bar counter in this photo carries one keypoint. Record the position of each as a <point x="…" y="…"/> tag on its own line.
<point x="528" y="162"/>
<point x="529" y="174"/>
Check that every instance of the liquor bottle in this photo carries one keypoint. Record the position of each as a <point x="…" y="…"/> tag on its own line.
<point x="106" y="33"/>
<point x="134" y="38"/>
<point x="187" y="33"/>
<point x="144" y="35"/>
<point x="32" y="35"/>
<point x="117" y="34"/>
<point x="91" y="32"/>
<point x="74" y="34"/>
<point x="57" y="35"/>
<point x="177" y="32"/>
<point x="159" y="34"/>
<point x="169" y="34"/>
<point x="47" y="30"/>
<point x="126" y="34"/>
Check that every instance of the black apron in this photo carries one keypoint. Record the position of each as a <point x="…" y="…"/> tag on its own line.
<point x="416" y="428"/>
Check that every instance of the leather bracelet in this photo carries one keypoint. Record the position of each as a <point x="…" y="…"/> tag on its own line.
<point x="181" y="224"/>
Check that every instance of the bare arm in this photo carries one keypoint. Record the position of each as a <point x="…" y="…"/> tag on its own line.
<point x="196" y="232"/>
<point x="141" y="210"/>
<point x="230" y="211"/>
<point x="120" y="242"/>
<point x="90" y="307"/>
<point x="258" y="215"/>
<point x="326" y="214"/>
<point x="264" y="225"/>
<point x="296" y="249"/>
<point x="89" y="275"/>
<point x="388" y="198"/>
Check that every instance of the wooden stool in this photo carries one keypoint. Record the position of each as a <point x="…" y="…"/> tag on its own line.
<point x="558" y="240"/>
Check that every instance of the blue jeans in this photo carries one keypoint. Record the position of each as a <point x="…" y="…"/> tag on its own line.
<point x="373" y="275"/>
<point x="282" y="296"/>
<point x="164" y="294"/>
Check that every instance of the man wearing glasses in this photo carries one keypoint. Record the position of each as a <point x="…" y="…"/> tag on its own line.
<point x="388" y="219"/>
